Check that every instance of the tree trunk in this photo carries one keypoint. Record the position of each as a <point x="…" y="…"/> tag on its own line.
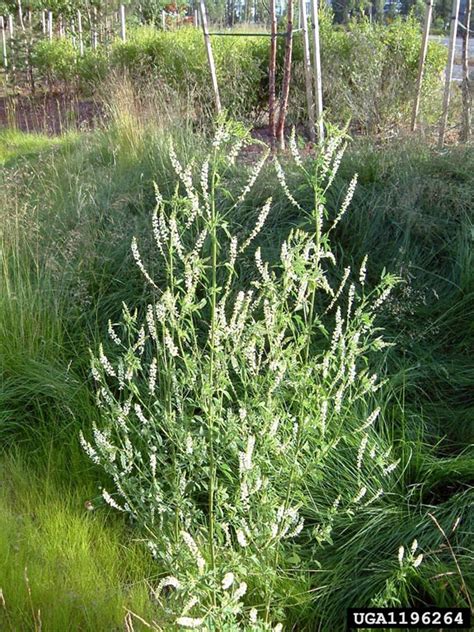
<point x="466" y="87"/>
<point x="272" y="74"/>
<point x="285" y="88"/>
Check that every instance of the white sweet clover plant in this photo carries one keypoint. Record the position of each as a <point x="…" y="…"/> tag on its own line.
<point x="220" y="398"/>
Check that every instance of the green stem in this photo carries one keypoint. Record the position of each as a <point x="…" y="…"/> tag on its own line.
<point x="211" y="410"/>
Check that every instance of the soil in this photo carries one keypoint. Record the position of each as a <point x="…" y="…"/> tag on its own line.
<point x="49" y="113"/>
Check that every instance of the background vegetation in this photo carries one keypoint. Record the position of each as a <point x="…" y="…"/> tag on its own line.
<point x="370" y="71"/>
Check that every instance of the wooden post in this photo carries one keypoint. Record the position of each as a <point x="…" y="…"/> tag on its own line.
<point x="123" y="26"/>
<point x="4" y="42"/>
<point x="43" y="21"/>
<point x="79" y="33"/>
<point x="94" y="29"/>
<point x="196" y="19"/>
<point x="11" y="33"/>
<point x="50" y="25"/>
<point x="20" y="15"/>
<point x="307" y="71"/>
<point x="285" y="89"/>
<point x="163" y="20"/>
<point x="421" y="65"/>
<point x="318" y="87"/>
<point x="272" y="75"/>
<point x="466" y="87"/>
<point x="210" y="56"/>
<point x="72" y="28"/>
<point x="105" y="40"/>
<point x="449" y="72"/>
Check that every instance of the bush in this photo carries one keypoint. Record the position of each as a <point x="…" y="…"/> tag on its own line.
<point x="92" y="69"/>
<point x="369" y="70"/>
<point x="178" y="59"/>
<point x="56" y="61"/>
<point x="218" y="401"/>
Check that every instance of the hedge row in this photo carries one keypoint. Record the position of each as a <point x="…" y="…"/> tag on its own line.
<point x="369" y="70"/>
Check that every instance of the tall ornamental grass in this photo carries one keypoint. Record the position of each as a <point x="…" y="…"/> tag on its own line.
<point x="219" y="402"/>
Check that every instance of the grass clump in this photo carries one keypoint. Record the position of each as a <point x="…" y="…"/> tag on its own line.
<point x="62" y="565"/>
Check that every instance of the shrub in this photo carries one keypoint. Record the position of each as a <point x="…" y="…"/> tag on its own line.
<point x="92" y="69"/>
<point x="222" y="403"/>
<point x="369" y="70"/>
<point x="56" y="61"/>
<point x="178" y="59"/>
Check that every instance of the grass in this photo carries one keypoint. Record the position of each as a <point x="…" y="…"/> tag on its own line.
<point x="81" y="567"/>
<point x="15" y="144"/>
<point x="68" y="212"/>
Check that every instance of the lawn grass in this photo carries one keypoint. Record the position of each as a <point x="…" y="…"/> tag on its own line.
<point x="68" y="213"/>
<point x="16" y="144"/>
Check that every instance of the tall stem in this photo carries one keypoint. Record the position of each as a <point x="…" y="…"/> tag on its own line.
<point x="211" y="409"/>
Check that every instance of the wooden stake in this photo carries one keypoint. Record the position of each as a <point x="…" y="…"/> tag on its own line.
<point x="272" y="75"/>
<point x="466" y="83"/>
<point x="72" y="28"/>
<point x="20" y="15"/>
<point x="94" y="29"/>
<point x="4" y="42"/>
<point x="449" y="72"/>
<point x="163" y="20"/>
<point x="123" y="26"/>
<point x="318" y="86"/>
<point x="43" y="22"/>
<point x="307" y="71"/>
<point x="421" y="64"/>
<point x="11" y="33"/>
<point x="285" y="89"/>
<point x="79" y="32"/>
<point x="50" y="25"/>
<point x="210" y="56"/>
